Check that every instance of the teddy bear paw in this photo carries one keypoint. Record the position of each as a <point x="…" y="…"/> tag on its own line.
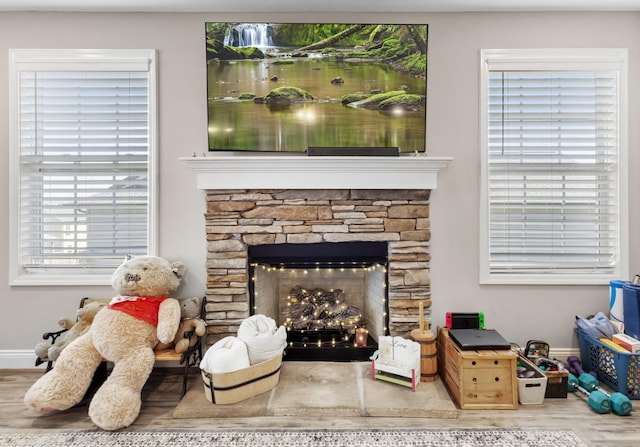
<point x="41" y="409"/>
<point x="113" y="411"/>
<point x="48" y="407"/>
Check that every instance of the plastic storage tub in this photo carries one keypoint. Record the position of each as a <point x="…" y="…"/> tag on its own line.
<point x="631" y="309"/>
<point x="531" y="390"/>
<point x="620" y="371"/>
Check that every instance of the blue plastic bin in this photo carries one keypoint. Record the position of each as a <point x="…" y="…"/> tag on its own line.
<point x="631" y="309"/>
<point x="620" y="371"/>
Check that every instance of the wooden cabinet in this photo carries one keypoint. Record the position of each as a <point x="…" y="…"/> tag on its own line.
<point x="478" y="380"/>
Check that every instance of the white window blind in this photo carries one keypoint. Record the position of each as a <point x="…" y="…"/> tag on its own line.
<point x="83" y="146"/>
<point x="553" y="173"/>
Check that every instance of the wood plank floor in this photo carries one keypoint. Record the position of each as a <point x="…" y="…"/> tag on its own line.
<point x="162" y="393"/>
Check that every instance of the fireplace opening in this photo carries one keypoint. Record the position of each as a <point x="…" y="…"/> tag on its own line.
<point x="331" y="296"/>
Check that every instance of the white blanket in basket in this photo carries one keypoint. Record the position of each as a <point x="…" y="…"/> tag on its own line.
<point x="226" y="355"/>
<point x="263" y="338"/>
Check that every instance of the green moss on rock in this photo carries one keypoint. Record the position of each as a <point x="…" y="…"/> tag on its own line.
<point x="410" y="103"/>
<point x="353" y="97"/>
<point x="286" y="95"/>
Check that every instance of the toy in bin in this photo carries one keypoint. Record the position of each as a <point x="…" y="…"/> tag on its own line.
<point x="538" y="352"/>
<point x="536" y="349"/>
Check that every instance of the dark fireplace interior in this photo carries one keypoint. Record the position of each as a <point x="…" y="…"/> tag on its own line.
<point x="331" y="296"/>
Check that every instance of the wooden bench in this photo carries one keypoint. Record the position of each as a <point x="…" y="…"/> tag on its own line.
<point x="190" y="358"/>
<point x="397" y="360"/>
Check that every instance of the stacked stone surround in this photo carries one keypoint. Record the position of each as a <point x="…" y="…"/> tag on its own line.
<point x="236" y="219"/>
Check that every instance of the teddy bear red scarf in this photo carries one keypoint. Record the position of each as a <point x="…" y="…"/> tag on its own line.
<point x="140" y="307"/>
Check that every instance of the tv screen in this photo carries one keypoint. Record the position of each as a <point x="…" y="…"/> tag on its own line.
<point x="292" y="86"/>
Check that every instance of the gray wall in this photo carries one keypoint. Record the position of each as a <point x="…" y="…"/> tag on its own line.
<point x="518" y="312"/>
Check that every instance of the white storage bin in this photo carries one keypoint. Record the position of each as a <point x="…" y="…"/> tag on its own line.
<point x="531" y="391"/>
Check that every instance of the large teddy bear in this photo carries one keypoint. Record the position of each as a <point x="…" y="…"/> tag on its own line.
<point x="124" y="332"/>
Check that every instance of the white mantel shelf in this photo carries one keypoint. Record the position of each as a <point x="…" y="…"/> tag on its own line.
<point x="215" y="172"/>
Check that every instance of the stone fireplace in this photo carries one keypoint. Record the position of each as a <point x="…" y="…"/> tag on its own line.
<point x="298" y="201"/>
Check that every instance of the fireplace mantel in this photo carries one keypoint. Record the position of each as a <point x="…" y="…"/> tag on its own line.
<point x="215" y="172"/>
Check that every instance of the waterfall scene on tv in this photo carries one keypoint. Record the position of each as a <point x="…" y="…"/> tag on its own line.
<point x="287" y="87"/>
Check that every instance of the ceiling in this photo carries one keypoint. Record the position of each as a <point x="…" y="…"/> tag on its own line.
<point x="317" y="5"/>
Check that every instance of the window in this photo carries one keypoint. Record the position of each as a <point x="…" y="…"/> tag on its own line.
<point x="553" y="166"/>
<point x="82" y="163"/>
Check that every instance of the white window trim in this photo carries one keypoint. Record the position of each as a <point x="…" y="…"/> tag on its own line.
<point x="555" y="60"/>
<point x="74" y="60"/>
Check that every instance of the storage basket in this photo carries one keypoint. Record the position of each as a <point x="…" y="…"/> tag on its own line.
<point x="235" y="386"/>
<point x="557" y="384"/>
<point x="531" y="390"/>
<point x="618" y="370"/>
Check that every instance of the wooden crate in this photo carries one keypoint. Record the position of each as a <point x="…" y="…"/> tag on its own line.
<point x="478" y="380"/>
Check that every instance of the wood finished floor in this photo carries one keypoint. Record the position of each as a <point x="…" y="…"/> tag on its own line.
<point x="161" y="395"/>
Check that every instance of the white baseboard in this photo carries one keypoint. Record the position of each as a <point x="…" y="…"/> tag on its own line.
<point x="26" y="359"/>
<point x="18" y="359"/>
<point x="562" y="353"/>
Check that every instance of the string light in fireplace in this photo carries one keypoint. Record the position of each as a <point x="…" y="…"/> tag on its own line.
<point x="295" y="271"/>
<point x="347" y="322"/>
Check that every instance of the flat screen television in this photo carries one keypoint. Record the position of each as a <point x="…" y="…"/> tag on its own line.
<point x="288" y="87"/>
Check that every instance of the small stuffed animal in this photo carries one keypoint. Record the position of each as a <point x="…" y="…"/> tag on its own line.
<point x="189" y="307"/>
<point x="125" y="333"/>
<point x="42" y="349"/>
<point x="196" y="326"/>
<point x="85" y="316"/>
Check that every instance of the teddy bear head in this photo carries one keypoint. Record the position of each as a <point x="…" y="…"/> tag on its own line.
<point x="148" y="276"/>
<point x="189" y="308"/>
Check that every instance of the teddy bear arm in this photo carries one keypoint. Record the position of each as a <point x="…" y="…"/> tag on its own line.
<point x="168" y="320"/>
<point x="200" y="327"/>
<point x="75" y="332"/>
<point x="182" y="345"/>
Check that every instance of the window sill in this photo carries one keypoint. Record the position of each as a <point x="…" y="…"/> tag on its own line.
<point x="548" y="279"/>
<point x="57" y="279"/>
